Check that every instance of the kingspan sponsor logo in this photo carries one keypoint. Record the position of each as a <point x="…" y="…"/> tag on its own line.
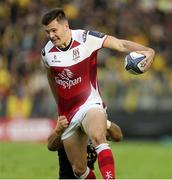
<point x="65" y="79"/>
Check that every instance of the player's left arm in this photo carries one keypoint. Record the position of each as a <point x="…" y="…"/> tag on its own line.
<point x="113" y="132"/>
<point x="54" y="140"/>
<point x="129" y="46"/>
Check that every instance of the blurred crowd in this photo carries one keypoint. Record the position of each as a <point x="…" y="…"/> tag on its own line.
<point x="24" y="91"/>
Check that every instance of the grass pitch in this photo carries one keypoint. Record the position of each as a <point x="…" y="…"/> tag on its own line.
<point x="134" y="160"/>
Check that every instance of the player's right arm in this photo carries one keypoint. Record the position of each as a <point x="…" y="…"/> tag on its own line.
<point x="54" y="140"/>
<point x="129" y="46"/>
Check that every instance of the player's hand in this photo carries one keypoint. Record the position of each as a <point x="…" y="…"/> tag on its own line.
<point x="62" y="124"/>
<point x="149" y="56"/>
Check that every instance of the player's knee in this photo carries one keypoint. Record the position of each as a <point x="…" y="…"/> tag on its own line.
<point x="98" y="138"/>
<point x="78" y="170"/>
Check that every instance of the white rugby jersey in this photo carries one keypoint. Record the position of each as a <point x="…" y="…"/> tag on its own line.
<point x="75" y="71"/>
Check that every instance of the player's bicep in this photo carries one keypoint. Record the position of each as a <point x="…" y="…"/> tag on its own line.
<point x="113" y="43"/>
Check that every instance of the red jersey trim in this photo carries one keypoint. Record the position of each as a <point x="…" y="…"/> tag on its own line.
<point x="74" y="44"/>
<point x="53" y="49"/>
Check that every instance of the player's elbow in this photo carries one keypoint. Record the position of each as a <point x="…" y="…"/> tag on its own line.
<point x="55" y="146"/>
<point x="51" y="148"/>
<point x="119" y="135"/>
<point x="115" y="133"/>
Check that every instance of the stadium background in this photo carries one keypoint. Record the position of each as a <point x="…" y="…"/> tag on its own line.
<point x="141" y="105"/>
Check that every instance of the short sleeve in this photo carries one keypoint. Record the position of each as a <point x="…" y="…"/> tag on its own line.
<point x="95" y="40"/>
<point x="43" y="55"/>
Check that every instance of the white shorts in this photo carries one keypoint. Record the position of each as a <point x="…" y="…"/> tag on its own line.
<point x="78" y="117"/>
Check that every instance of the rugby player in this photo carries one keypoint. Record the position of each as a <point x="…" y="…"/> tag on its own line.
<point x="70" y="58"/>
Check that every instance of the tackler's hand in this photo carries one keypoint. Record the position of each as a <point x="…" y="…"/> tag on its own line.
<point x="62" y="124"/>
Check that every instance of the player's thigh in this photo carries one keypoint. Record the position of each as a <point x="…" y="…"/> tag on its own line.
<point x="76" y="148"/>
<point x="94" y="123"/>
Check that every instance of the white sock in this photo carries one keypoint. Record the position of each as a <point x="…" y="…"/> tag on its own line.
<point x="101" y="147"/>
<point x="85" y="174"/>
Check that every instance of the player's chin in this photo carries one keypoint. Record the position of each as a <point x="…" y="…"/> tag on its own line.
<point x="57" y="43"/>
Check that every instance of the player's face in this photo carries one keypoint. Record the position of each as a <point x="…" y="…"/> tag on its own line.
<point x="56" y="32"/>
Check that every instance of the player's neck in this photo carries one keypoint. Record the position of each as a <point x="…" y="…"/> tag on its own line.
<point x="67" y="47"/>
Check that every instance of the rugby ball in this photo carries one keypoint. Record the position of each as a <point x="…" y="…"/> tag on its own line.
<point x="133" y="63"/>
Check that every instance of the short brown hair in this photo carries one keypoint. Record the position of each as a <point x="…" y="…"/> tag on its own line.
<point x="56" y="13"/>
